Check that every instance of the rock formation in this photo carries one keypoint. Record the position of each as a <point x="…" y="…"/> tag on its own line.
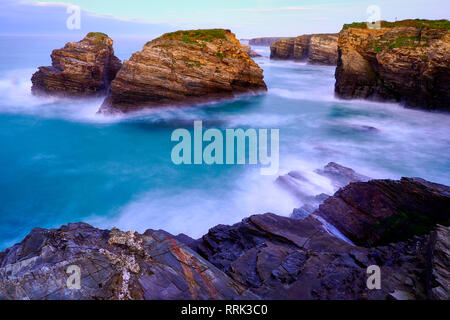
<point x="380" y="212"/>
<point x="314" y="49"/>
<point x="84" y="68"/>
<point x="282" y="258"/>
<point x="297" y="184"/>
<point x="185" y="67"/>
<point x="262" y="257"/>
<point x="250" y="51"/>
<point x="406" y="61"/>
<point x="113" y="264"/>
<point x="264" y="42"/>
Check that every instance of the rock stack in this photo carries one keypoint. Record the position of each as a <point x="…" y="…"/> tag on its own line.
<point x="80" y="69"/>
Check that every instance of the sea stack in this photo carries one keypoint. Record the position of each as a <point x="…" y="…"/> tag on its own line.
<point x="405" y="61"/>
<point x="313" y="49"/>
<point x="80" y="69"/>
<point x="185" y="67"/>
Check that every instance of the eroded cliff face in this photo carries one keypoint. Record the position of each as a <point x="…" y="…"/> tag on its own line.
<point x="314" y="49"/>
<point x="84" y="68"/>
<point x="185" y="67"/>
<point x="407" y="61"/>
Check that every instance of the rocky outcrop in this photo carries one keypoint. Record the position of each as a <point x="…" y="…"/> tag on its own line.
<point x="380" y="212"/>
<point x="314" y="49"/>
<point x="84" y="68"/>
<point x="250" y="51"/>
<point x="341" y="176"/>
<point x="264" y="42"/>
<point x="185" y="67"/>
<point x="262" y="257"/>
<point x="282" y="258"/>
<point x="300" y="186"/>
<point x="406" y="61"/>
<point x="113" y="265"/>
<point x="438" y="276"/>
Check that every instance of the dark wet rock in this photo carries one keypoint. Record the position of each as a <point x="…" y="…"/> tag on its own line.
<point x="299" y="186"/>
<point x="379" y="212"/>
<point x="264" y="256"/>
<point x="113" y="264"/>
<point x="341" y="176"/>
<point x="81" y="69"/>
<point x="439" y="264"/>
<point x="283" y="258"/>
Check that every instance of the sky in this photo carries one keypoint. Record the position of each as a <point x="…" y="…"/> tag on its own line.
<point x="247" y="18"/>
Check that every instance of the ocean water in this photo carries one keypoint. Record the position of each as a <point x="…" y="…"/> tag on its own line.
<point x="60" y="162"/>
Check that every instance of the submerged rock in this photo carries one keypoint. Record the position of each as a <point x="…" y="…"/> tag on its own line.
<point x="406" y="61"/>
<point x="314" y="49"/>
<point x="300" y="186"/>
<point x="341" y="176"/>
<point x="185" y="67"/>
<point x="84" y="68"/>
<point x="380" y="212"/>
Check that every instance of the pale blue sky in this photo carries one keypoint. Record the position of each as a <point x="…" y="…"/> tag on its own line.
<point x="247" y="18"/>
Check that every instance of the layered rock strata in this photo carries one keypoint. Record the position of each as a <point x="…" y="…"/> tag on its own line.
<point x="406" y="61"/>
<point x="314" y="49"/>
<point x="80" y="69"/>
<point x="185" y="67"/>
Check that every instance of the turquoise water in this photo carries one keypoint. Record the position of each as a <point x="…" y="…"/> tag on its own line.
<point x="61" y="162"/>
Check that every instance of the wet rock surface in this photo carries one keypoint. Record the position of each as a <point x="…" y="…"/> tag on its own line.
<point x="380" y="212"/>
<point x="283" y="258"/>
<point x="185" y="67"/>
<point x="406" y="61"/>
<point x="262" y="257"/>
<point x="80" y="69"/>
<point x="113" y="264"/>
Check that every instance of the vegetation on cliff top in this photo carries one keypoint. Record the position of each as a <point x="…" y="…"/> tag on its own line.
<point x="98" y="37"/>
<point x="196" y="37"/>
<point x="193" y="36"/>
<point x="418" y="23"/>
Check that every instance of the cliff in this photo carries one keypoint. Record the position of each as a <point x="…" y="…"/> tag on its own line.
<point x="264" y="42"/>
<point x="84" y="68"/>
<point x="406" y="61"/>
<point x="185" y="67"/>
<point x="262" y="257"/>
<point x="314" y="49"/>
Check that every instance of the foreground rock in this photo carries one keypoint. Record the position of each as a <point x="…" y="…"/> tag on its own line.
<point x="282" y="258"/>
<point x="264" y="42"/>
<point x="84" y="68"/>
<point x="406" y="61"/>
<point x="380" y="212"/>
<point x="314" y="49"/>
<point x="264" y="256"/>
<point x="113" y="265"/>
<point x="185" y="67"/>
